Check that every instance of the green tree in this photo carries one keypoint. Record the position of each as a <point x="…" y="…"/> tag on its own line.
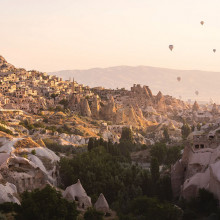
<point x="127" y="135"/>
<point x="91" y="144"/>
<point x="154" y="169"/>
<point x="173" y="154"/>
<point x="45" y="204"/>
<point x="65" y="103"/>
<point x="198" y="126"/>
<point x="2" y="217"/>
<point x="203" y="206"/>
<point x="33" y="152"/>
<point x="208" y="203"/>
<point x="166" y="134"/>
<point x="185" y="130"/>
<point x="58" y="108"/>
<point x="45" y="120"/>
<point x="164" y="188"/>
<point x="159" y="151"/>
<point x="54" y="95"/>
<point x="92" y="214"/>
<point x="150" y="208"/>
<point x="100" y="171"/>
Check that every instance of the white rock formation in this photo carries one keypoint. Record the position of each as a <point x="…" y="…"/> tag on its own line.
<point x="77" y="193"/>
<point x="44" y="152"/>
<point x="102" y="204"/>
<point x="198" y="168"/>
<point x="8" y="192"/>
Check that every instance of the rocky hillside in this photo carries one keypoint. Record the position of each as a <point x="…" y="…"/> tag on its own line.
<point x="157" y="78"/>
<point x="199" y="166"/>
<point x="5" y="66"/>
<point x="24" y="165"/>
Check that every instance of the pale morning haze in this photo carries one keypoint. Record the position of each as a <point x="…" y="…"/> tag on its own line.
<point x="52" y="35"/>
<point x="110" y="109"/>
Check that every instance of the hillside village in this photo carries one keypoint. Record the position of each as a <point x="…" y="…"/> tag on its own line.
<point x="38" y="98"/>
<point x="37" y="109"/>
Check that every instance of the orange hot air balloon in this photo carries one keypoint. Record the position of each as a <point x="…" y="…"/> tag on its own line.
<point x="178" y="78"/>
<point x="171" y="47"/>
<point x="202" y="22"/>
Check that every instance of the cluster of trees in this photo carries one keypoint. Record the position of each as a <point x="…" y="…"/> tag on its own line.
<point x="58" y="148"/>
<point x="107" y="168"/>
<point x="92" y="214"/>
<point x="165" y="155"/>
<point x="151" y="208"/>
<point x="49" y="204"/>
<point x="121" y="150"/>
<point x="134" y="193"/>
<point x="204" y="206"/>
<point x="42" y="204"/>
<point x="65" y="129"/>
<point x="27" y="124"/>
<point x="42" y="125"/>
<point x="185" y="130"/>
<point x="65" y="103"/>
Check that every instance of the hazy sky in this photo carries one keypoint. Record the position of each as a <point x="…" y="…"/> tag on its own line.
<point x="51" y="35"/>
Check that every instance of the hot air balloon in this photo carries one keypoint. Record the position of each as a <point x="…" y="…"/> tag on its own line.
<point x="197" y="93"/>
<point x="214" y="50"/>
<point x="171" y="47"/>
<point x="178" y="78"/>
<point x="202" y="22"/>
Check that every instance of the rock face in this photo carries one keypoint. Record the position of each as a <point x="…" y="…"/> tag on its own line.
<point x="198" y="168"/>
<point x="102" y="204"/>
<point x="214" y="109"/>
<point x="26" y="165"/>
<point x="75" y="140"/>
<point x="177" y="178"/>
<point x="5" y="66"/>
<point x="85" y="109"/>
<point x="95" y="107"/>
<point x="8" y="193"/>
<point x="195" y="106"/>
<point x="77" y="193"/>
<point x="74" y="103"/>
<point x="24" y="174"/>
<point x="159" y="97"/>
<point x="109" y="110"/>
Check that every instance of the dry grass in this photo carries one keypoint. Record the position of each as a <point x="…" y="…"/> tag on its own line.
<point x="3" y="134"/>
<point x="86" y="131"/>
<point x="26" y="143"/>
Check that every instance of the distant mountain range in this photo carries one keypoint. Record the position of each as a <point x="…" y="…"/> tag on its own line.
<point x="158" y="79"/>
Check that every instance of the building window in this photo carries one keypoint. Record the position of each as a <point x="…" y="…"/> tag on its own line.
<point x="197" y="146"/>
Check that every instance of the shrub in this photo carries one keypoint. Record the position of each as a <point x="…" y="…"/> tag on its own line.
<point x="8" y="207"/>
<point x="45" y="120"/>
<point x="2" y="217"/>
<point x="6" y="130"/>
<point x="45" y="204"/>
<point x="92" y="214"/>
<point x="33" y="152"/>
